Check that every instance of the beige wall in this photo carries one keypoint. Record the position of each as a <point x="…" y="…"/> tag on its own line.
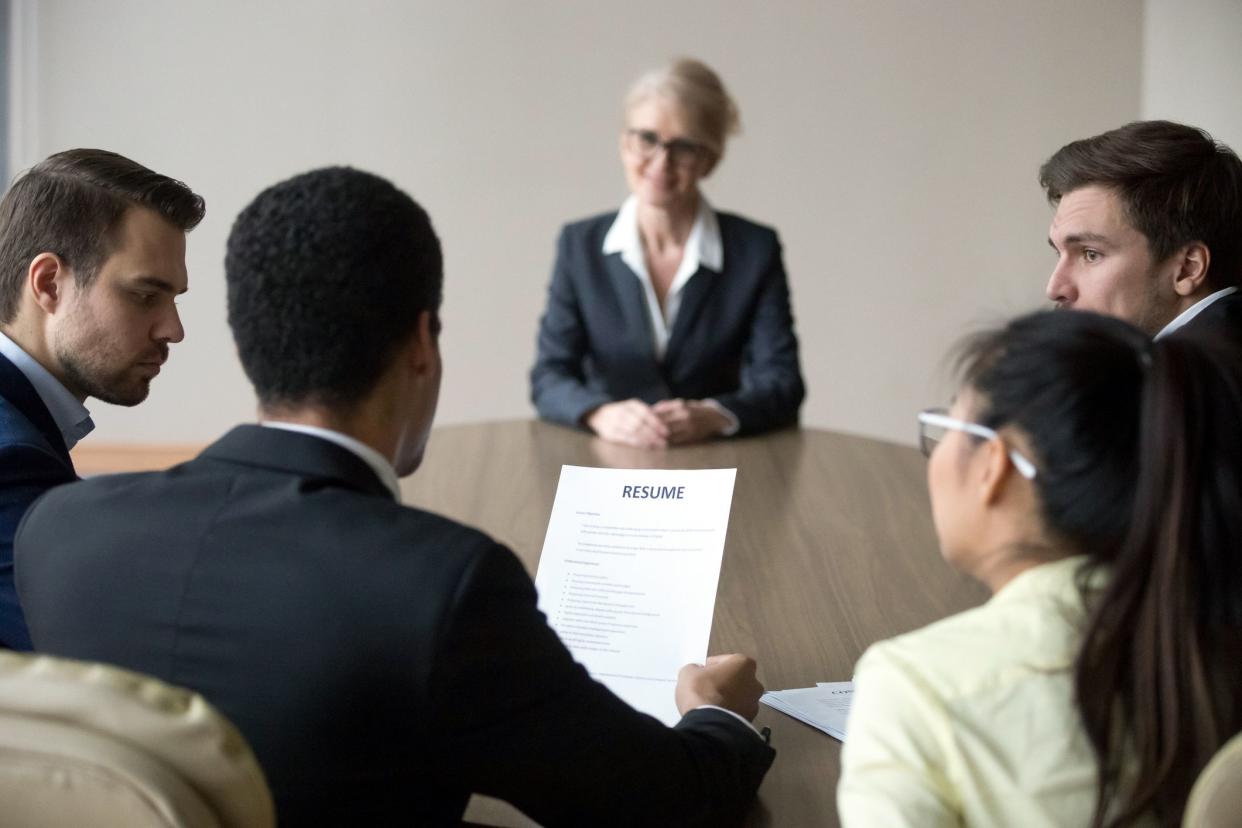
<point x="894" y="143"/>
<point x="1192" y="65"/>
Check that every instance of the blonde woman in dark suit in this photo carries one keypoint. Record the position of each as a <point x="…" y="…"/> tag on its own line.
<point x="668" y="321"/>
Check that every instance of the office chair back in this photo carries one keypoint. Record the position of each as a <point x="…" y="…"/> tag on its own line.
<point x="88" y="744"/>
<point x="1216" y="799"/>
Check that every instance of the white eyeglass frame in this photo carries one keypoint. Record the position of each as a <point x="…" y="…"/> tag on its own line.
<point x="935" y="417"/>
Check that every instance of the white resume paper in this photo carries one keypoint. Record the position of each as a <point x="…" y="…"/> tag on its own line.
<point x="825" y="706"/>
<point x="629" y="571"/>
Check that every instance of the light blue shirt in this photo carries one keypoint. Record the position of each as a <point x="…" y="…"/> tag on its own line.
<point x="70" y="416"/>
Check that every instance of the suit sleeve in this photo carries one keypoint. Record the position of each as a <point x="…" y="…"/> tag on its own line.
<point x="523" y="722"/>
<point x="771" y="388"/>
<point x="893" y="764"/>
<point x="26" y="472"/>
<point x="558" y="381"/>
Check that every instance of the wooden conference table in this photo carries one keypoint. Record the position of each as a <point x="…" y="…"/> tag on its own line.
<point x="830" y="547"/>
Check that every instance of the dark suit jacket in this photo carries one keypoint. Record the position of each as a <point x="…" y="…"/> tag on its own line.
<point x="382" y="661"/>
<point x="733" y="338"/>
<point x="1223" y="315"/>
<point x="33" y="459"/>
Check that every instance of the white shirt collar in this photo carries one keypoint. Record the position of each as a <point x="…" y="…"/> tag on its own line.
<point x="1194" y="310"/>
<point x="71" y="417"/>
<point x="703" y="249"/>
<point x="378" y="463"/>
<point x="703" y="245"/>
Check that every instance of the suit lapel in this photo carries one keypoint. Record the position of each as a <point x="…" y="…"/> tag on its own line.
<point x="1225" y="311"/>
<point x="303" y="455"/>
<point x="633" y="303"/>
<point x="22" y="395"/>
<point x="694" y="297"/>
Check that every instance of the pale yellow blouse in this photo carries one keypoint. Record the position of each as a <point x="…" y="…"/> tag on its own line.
<point x="971" y="720"/>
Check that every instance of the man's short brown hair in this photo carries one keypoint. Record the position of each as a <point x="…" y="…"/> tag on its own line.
<point x="71" y="204"/>
<point x="1176" y="184"/>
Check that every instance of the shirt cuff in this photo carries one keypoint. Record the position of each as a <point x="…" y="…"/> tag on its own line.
<point x="740" y="718"/>
<point x="734" y="423"/>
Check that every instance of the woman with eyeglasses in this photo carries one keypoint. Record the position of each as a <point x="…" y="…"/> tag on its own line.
<point x="1092" y="481"/>
<point x="668" y="321"/>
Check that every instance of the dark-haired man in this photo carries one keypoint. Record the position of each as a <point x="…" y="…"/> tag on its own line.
<point x="92" y="255"/>
<point x="1148" y="227"/>
<point x="383" y="662"/>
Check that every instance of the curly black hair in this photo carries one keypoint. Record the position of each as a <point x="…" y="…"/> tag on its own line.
<point x="327" y="274"/>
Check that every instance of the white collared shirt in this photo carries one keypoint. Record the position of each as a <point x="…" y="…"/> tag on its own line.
<point x="71" y="417"/>
<point x="378" y="463"/>
<point x="1193" y="311"/>
<point x="703" y="248"/>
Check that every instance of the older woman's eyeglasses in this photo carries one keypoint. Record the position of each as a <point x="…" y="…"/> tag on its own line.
<point x="934" y="423"/>
<point x="681" y="152"/>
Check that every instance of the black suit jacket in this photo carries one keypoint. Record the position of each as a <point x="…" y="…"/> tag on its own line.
<point x="382" y="661"/>
<point x="1224" y="316"/>
<point x="33" y="459"/>
<point x="733" y="338"/>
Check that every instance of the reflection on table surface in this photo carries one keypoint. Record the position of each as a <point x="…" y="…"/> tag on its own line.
<point x="830" y="548"/>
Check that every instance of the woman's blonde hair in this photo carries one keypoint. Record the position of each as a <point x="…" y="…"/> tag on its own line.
<point x="692" y="86"/>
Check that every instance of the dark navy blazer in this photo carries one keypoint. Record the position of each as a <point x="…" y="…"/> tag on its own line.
<point x="33" y="459"/>
<point x="1224" y="315"/>
<point x="383" y="662"/>
<point x="732" y="340"/>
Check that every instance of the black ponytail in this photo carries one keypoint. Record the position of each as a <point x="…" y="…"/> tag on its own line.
<point x="1159" y="676"/>
<point x="1138" y="448"/>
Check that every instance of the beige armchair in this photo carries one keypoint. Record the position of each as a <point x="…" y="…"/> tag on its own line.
<point x="88" y="744"/>
<point x="1216" y="798"/>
